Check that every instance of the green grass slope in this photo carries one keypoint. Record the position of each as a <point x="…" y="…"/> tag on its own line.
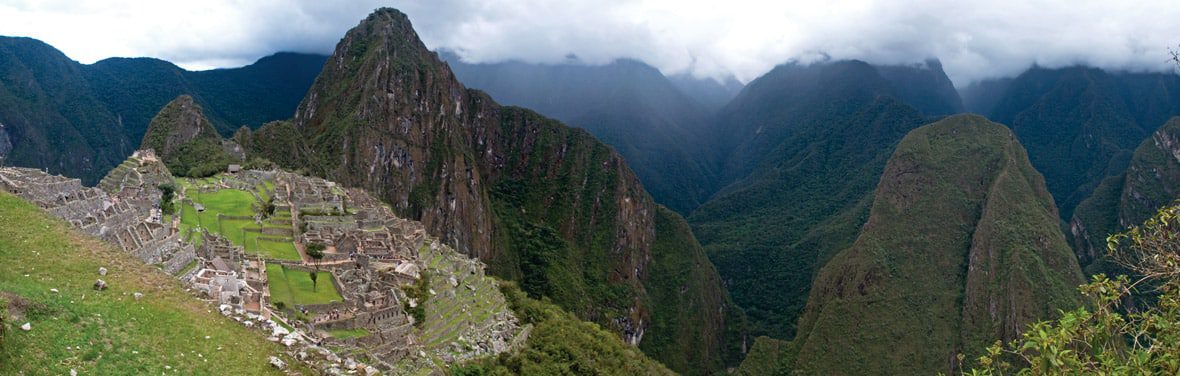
<point x="108" y="332"/>
<point x="962" y="248"/>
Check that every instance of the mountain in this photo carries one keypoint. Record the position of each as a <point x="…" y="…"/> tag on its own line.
<point x="962" y="248"/>
<point x="627" y="104"/>
<point x="924" y="86"/>
<point x="82" y="120"/>
<point x="269" y="89"/>
<point x="49" y="116"/>
<point x="1080" y="124"/>
<point x="543" y="204"/>
<point x="1151" y="181"/>
<point x="805" y="146"/>
<point x="185" y="140"/>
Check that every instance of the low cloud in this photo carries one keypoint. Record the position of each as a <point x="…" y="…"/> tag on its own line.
<point x="974" y="40"/>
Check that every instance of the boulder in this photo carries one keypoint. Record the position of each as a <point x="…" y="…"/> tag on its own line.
<point x="277" y="363"/>
<point x="100" y="285"/>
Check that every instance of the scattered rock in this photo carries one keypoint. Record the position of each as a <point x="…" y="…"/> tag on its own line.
<point x="370" y="371"/>
<point x="137" y="296"/>
<point x="349" y="363"/>
<point x="73" y="372"/>
<point x="277" y="363"/>
<point x="54" y="291"/>
<point x="100" y="285"/>
<point x="102" y="271"/>
<point x="26" y="327"/>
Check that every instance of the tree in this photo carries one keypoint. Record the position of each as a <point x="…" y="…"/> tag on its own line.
<point x="316" y="252"/>
<point x="314" y="275"/>
<point x="167" y="191"/>
<point x="1110" y="339"/>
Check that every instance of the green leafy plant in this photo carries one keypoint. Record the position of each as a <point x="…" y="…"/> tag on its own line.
<point x="1108" y="337"/>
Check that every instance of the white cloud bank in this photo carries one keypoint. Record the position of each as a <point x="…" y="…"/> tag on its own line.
<point x="745" y="38"/>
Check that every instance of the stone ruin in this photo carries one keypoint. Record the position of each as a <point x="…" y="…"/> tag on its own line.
<point x="129" y="218"/>
<point x="371" y="254"/>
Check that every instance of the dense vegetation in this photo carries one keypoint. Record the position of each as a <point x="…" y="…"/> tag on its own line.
<point x="184" y="139"/>
<point x="82" y="120"/>
<point x="561" y="344"/>
<point x="990" y="259"/>
<point x="106" y="332"/>
<point x="1079" y="124"/>
<point x="1104" y="337"/>
<point x="811" y="143"/>
<point x="1151" y="181"/>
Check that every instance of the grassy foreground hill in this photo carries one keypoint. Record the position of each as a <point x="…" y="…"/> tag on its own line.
<point x="108" y="332"/>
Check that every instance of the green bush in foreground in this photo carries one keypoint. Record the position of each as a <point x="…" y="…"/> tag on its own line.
<point x="1105" y="340"/>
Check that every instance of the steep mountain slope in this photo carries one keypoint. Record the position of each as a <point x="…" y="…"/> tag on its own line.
<point x="807" y="145"/>
<point x="1081" y="124"/>
<point x="1151" y="181"/>
<point x="49" y="117"/>
<point x="961" y="248"/>
<point x="107" y="332"/>
<point x="541" y="203"/>
<point x="81" y="120"/>
<point x="924" y="86"/>
<point x="626" y="104"/>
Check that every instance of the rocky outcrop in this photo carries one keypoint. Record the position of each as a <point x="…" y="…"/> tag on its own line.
<point x="962" y="248"/>
<point x="180" y="122"/>
<point x="520" y="191"/>
<point x="186" y="141"/>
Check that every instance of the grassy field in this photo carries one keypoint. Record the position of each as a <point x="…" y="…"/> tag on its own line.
<point x="109" y="332"/>
<point x="232" y="202"/>
<point x="349" y="333"/>
<point x="271" y="249"/>
<point x="294" y="287"/>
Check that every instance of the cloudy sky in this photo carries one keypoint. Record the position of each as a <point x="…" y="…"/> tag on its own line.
<point x="974" y="39"/>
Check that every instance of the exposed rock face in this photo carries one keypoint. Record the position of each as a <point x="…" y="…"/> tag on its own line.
<point x="962" y="248"/>
<point x="388" y="116"/>
<point x="1151" y="181"/>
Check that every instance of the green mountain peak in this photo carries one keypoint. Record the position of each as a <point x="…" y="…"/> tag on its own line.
<point x="961" y="248"/>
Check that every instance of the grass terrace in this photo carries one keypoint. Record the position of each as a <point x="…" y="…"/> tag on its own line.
<point x="294" y="287"/>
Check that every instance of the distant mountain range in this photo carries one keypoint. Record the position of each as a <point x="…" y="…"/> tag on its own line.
<point x="658" y="124"/>
<point x="82" y="120"/>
